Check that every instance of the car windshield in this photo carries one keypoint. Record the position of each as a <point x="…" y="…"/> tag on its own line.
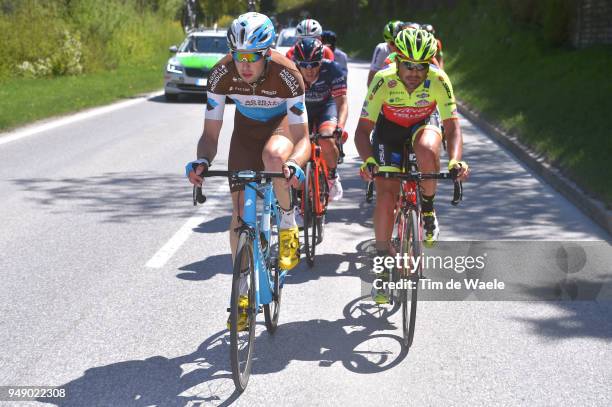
<point x="216" y="45"/>
<point x="286" y="41"/>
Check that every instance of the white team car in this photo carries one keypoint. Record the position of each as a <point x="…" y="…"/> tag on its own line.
<point x="187" y="71"/>
<point x="286" y="40"/>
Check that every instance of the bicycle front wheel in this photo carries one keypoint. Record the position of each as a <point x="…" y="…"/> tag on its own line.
<point x="242" y="340"/>
<point x="369" y="197"/>
<point x="412" y="247"/>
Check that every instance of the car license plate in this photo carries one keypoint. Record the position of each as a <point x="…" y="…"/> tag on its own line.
<point x="201" y="82"/>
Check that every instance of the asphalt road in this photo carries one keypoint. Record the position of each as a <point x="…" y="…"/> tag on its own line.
<point x="115" y="287"/>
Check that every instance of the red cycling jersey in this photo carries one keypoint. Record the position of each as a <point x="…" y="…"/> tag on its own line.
<point x="327" y="53"/>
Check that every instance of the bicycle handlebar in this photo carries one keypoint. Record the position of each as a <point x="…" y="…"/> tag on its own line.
<point x="243" y="177"/>
<point x="419" y="176"/>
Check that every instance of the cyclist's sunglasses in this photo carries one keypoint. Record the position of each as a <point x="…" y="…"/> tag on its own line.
<point x="309" y="65"/>
<point x="240" y="56"/>
<point x="413" y="65"/>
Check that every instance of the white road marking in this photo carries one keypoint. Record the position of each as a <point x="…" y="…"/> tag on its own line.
<point x="167" y="251"/>
<point x="39" y="128"/>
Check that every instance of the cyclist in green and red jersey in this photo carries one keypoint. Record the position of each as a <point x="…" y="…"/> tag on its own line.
<point x="401" y="106"/>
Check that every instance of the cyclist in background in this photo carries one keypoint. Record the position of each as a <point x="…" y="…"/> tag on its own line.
<point x="383" y="49"/>
<point x="270" y="125"/>
<point x="439" y="56"/>
<point x="326" y="102"/>
<point x="328" y="38"/>
<point x="401" y="107"/>
<point x="310" y="28"/>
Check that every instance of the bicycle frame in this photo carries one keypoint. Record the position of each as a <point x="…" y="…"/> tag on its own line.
<point x="264" y="285"/>
<point x="410" y="195"/>
<point x="319" y="165"/>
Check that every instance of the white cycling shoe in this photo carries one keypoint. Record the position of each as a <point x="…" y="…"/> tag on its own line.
<point x="335" y="189"/>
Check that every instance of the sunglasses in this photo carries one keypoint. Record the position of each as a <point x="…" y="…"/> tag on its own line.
<point x="240" y="56"/>
<point x="414" y="65"/>
<point x="309" y="65"/>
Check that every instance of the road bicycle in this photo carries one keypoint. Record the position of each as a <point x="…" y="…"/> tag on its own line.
<point x="255" y="264"/>
<point x="315" y="197"/>
<point x="407" y="237"/>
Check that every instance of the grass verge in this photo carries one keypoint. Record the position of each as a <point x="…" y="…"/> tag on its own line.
<point x="27" y="100"/>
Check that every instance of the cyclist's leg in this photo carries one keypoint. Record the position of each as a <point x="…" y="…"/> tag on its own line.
<point x="387" y="146"/>
<point x="328" y="117"/>
<point x="245" y="141"/>
<point x="275" y="153"/>
<point x="427" y="142"/>
<point x="241" y="157"/>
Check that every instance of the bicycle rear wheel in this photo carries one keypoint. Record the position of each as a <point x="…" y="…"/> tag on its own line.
<point x="310" y="223"/>
<point x="242" y="342"/>
<point x="411" y="246"/>
<point x="272" y="310"/>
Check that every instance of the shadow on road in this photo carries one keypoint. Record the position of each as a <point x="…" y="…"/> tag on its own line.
<point x="207" y="268"/>
<point x="204" y="376"/>
<point x="118" y="197"/>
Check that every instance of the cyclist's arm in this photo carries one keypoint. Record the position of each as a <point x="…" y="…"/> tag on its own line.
<point x="371" y="76"/>
<point x="342" y="106"/>
<point x="362" y="138"/>
<point x="215" y="106"/>
<point x="301" y="143"/>
<point x="454" y="139"/>
<point x="207" y="146"/>
<point x="298" y="128"/>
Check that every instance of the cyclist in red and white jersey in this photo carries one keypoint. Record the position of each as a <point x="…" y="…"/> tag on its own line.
<point x="310" y="28"/>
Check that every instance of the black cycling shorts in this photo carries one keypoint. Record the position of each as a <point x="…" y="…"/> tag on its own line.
<point x="389" y="139"/>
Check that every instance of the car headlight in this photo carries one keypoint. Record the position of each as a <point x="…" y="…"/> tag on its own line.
<point x="174" y="68"/>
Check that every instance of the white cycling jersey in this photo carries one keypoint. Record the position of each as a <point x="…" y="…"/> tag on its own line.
<point x="381" y="52"/>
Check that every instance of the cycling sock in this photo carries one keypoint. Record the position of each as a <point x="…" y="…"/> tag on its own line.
<point x="287" y="219"/>
<point x="427" y="203"/>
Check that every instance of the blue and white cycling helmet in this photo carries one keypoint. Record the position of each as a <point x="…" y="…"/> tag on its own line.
<point x="251" y="32"/>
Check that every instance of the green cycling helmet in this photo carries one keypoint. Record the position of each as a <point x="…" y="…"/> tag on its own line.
<point x="416" y="45"/>
<point x="390" y="30"/>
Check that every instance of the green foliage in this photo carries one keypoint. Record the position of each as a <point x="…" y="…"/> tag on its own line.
<point x="510" y="61"/>
<point x="24" y="100"/>
<point x="44" y="38"/>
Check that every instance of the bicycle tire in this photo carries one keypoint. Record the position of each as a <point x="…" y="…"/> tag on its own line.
<point x="310" y="229"/>
<point x="369" y="192"/>
<point x="324" y="200"/>
<point x="241" y="366"/>
<point x="272" y="310"/>
<point x="412" y="246"/>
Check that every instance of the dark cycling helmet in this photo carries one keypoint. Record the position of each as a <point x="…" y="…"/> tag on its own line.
<point x="308" y="49"/>
<point x="429" y="28"/>
<point x="328" y="37"/>
<point x="390" y="30"/>
<point x="416" y="45"/>
<point x="408" y="25"/>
